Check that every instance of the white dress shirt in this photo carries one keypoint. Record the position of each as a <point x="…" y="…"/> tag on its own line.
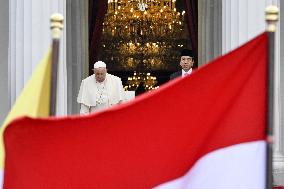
<point x="184" y="73"/>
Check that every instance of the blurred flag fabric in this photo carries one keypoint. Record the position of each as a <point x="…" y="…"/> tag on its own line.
<point x="202" y="131"/>
<point x="33" y="100"/>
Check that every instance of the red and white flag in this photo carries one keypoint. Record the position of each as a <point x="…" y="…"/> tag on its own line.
<point x="202" y="131"/>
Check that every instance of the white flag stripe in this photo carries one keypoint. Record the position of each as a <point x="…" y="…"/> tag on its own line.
<point x="239" y="166"/>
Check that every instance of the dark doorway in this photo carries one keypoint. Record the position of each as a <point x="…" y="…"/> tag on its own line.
<point x="112" y="41"/>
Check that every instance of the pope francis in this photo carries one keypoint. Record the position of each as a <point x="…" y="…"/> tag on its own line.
<point x="100" y="90"/>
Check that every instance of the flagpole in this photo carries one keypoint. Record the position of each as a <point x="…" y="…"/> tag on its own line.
<point x="271" y="16"/>
<point x="56" y="25"/>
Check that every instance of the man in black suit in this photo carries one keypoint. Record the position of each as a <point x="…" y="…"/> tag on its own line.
<point x="186" y="63"/>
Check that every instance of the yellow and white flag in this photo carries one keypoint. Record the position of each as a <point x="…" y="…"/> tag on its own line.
<point x="33" y="100"/>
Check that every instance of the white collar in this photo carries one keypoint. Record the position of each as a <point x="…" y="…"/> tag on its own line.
<point x="188" y="72"/>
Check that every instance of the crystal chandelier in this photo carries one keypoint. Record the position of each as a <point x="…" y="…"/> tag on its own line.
<point x="149" y="82"/>
<point x="143" y="35"/>
<point x="142" y="6"/>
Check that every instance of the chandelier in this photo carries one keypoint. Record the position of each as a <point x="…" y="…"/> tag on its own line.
<point x="143" y="35"/>
<point x="145" y="79"/>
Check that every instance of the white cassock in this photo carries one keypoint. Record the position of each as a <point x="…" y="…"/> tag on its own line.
<point x="94" y="96"/>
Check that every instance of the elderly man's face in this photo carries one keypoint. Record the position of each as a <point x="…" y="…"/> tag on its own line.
<point x="100" y="74"/>
<point x="186" y="62"/>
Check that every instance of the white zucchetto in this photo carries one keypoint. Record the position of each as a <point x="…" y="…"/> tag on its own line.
<point x="99" y="64"/>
